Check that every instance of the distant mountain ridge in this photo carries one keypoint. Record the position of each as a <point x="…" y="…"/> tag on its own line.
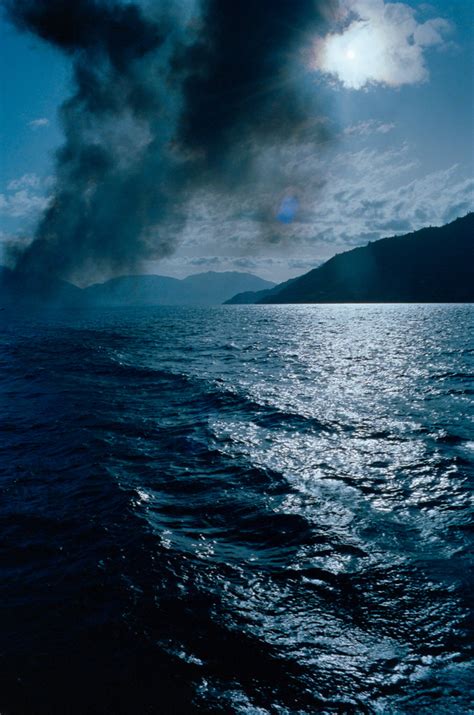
<point x="210" y="288"/>
<point x="431" y="265"/>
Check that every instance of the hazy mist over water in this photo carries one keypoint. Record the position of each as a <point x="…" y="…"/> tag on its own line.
<point x="237" y="510"/>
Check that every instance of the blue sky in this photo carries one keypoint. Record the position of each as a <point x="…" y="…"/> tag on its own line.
<point x="400" y="154"/>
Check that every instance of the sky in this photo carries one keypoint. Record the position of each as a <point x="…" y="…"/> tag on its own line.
<point x="221" y="137"/>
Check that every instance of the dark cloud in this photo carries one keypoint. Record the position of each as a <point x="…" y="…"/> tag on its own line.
<point x="160" y="105"/>
<point x="205" y="261"/>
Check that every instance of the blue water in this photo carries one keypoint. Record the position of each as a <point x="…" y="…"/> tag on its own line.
<point x="250" y="509"/>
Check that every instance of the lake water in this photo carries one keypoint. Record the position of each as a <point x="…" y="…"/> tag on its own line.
<point x="250" y="509"/>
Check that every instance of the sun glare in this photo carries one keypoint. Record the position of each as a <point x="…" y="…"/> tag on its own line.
<point x="350" y="54"/>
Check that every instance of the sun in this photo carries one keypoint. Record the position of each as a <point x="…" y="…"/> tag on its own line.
<point x="359" y="55"/>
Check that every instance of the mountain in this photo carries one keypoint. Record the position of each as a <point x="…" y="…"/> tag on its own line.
<point x="249" y="297"/>
<point x="209" y="288"/>
<point x="430" y="265"/>
<point x="427" y="266"/>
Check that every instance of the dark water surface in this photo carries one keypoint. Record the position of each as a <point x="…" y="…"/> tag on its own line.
<point x="237" y="510"/>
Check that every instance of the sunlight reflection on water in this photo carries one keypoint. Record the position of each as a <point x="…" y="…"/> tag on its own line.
<point x="301" y="477"/>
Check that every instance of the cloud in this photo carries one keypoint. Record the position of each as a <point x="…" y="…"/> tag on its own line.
<point x="369" y="193"/>
<point x="25" y="197"/>
<point x="381" y="43"/>
<point x="205" y="261"/>
<point x="27" y="181"/>
<point x="368" y="127"/>
<point x="40" y="122"/>
<point x="376" y="194"/>
<point x="21" y="204"/>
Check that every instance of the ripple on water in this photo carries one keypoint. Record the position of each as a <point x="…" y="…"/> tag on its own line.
<point x="238" y="510"/>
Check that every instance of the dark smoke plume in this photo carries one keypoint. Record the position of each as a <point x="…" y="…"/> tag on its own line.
<point x="110" y="196"/>
<point x="161" y="104"/>
<point x="242" y="78"/>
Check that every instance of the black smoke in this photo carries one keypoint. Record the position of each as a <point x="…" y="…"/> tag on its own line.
<point x="162" y="102"/>
<point x="242" y="77"/>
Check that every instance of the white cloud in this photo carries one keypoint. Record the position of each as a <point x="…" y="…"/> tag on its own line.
<point x="370" y="195"/>
<point x="370" y="126"/>
<point x="347" y="197"/>
<point x="26" y="196"/>
<point x="40" y="122"/>
<point x="27" y="181"/>
<point x="21" y="204"/>
<point x="382" y="43"/>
